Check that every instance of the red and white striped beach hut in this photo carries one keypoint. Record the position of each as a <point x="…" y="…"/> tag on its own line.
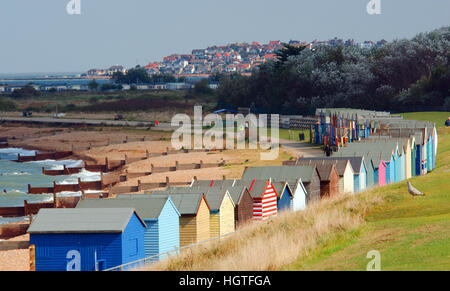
<point x="264" y="199"/>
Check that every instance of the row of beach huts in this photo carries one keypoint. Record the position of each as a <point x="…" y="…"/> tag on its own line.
<point x="101" y="234"/>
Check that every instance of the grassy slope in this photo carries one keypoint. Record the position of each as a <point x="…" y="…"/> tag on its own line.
<point x="410" y="233"/>
<point x="437" y="117"/>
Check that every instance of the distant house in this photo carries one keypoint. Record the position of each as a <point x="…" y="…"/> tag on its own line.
<point x="116" y="69"/>
<point x="230" y="68"/>
<point x="162" y="86"/>
<point x="177" y="86"/>
<point x="86" y="239"/>
<point x="97" y="72"/>
<point x="162" y="219"/>
<point x="199" y="52"/>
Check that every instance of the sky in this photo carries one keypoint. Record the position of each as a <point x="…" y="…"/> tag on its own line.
<point x="40" y="36"/>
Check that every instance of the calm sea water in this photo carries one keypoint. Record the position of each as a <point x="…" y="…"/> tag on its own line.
<point x="9" y="80"/>
<point x="15" y="177"/>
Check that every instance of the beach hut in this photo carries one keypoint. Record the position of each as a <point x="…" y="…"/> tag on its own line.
<point x="408" y="146"/>
<point x="359" y="169"/>
<point x="194" y="216"/>
<point x="285" y="196"/>
<point x="162" y="233"/>
<point x="413" y="156"/>
<point x="379" y="168"/>
<point x="430" y="145"/>
<point x="220" y="203"/>
<point x="221" y="211"/>
<point x="435" y="145"/>
<point x="398" y="164"/>
<point x="390" y="168"/>
<point x="329" y="180"/>
<point x="343" y="167"/>
<point x="86" y="239"/>
<point x="194" y="220"/>
<point x="243" y="201"/>
<point x="295" y="176"/>
<point x="264" y="199"/>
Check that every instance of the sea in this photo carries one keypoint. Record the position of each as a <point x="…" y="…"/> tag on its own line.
<point x="47" y="79"/>
<point x="15" y="177"/>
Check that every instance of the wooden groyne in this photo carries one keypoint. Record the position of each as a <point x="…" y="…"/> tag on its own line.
<point x="57" y="188"/>
<point x="114" y="165"/>
<point x="109" y="166"/>
<point x="4" y="143"/>
<point x="43" y="156"/>
<point x="13" y="229"/>
<point x="116" y="190"/>
<point x="64" y="171"/>
<point x="33" y="208"/>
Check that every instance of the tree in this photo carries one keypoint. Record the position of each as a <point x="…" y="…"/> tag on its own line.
<point x="26" y="91"/>
<point x="288" y="51"/>
<point x="93" y="85"/>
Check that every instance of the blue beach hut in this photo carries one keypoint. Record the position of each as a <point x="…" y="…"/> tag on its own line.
<point x="86" y="239"/>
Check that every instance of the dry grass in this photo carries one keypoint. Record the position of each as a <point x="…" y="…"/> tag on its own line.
<point x="279" y="241"/>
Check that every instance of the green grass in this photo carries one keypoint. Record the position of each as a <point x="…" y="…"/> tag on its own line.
<point x="437" y="117"/>
<point x="410" y="233"/>
<point x="293" y="134"/>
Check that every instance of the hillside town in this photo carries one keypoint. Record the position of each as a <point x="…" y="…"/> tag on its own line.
<point x="232" y="58"/>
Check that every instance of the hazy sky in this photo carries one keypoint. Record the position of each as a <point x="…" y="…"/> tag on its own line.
<point x="39" y="36"/>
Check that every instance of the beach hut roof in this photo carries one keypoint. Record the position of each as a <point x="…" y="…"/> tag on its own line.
<point x="235" y="187"/>
<point x="82" y="220"/>
<point x="149" y="208"/>
<point x="339" y="164"/>
<point x="213" y="195"/>
<point x="355" y="161"/>
<point x="186" y="203"/>
<point x="290" y="174"/>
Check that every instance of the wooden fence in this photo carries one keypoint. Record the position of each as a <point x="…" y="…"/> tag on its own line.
<point x="305" y="123"/>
